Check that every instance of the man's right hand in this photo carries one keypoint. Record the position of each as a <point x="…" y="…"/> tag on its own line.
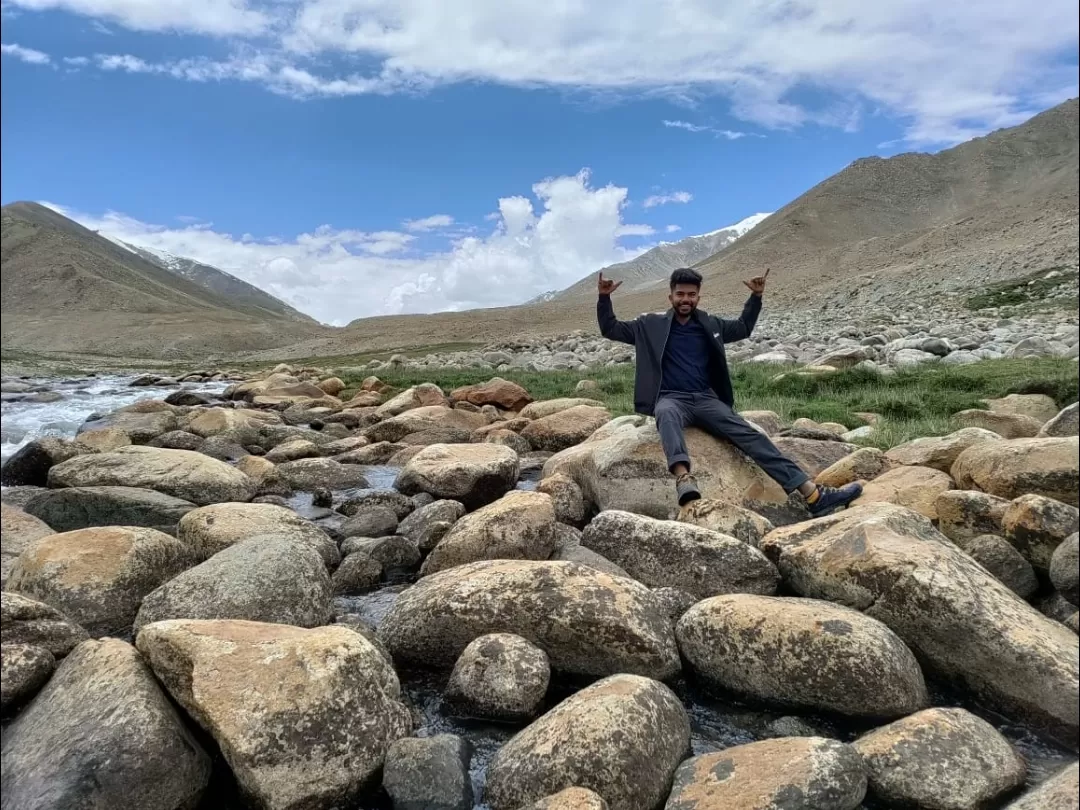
<point x="606" y="286"/>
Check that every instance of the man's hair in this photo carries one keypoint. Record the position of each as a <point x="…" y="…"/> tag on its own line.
<point x="685" y="275"/>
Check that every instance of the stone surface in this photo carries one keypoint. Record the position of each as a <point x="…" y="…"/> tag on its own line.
<point x="1059" y="792"/>
<point x="102" y="734"/>
<point x="505" y="394"/>
<point x="667" y="553"/>
<point x="429" y="773"/>
<point x="310" y="474"/>
<point x="726" y="518"/>
<point x="27" y="621"/>
<point x="473" y="474"/>
<point x="1006" y="425"/>
<point x="573" y="798"/>
<point x="181" y="473"/>
<point x="499" y="677"/>
<point x="518" y="526"/>
<point x="549" y="407"/>
<point x="418" y="525"/>
<point x="865" y="464"/>
<point x="1065" y="423"/>
<point x="457" y="425"/>
<point x="357" y="574"/>
<point x="24" y="669"/>
<point x="566" y="498"/>
<point x="1065" y="568"/>
<point x="955" y="616"/>
<point x="916" y="488"/>
<point x="1001" y="559"/>
<point x="963" y="514"/>
<point x="30" y="464"/>
<point x="812" y="455"/>
<point x="622" y="737"/>
<point x="577" y="553"/>
<point x="303" y="717"/>
<point x="940" y="759"/>
<point x="81" y="507"/>
<point x="1009" y="469"/>
<point x="18" y="531"/>
<point x="940" y="452"/>
<point x="566" y="428"/>
<point x="793" y="773"/>
<point x="390" y="552"/>
<point x="372" y="521"/>
<point x="99" y="576"/>
<point x="1037" y="525"/>
<point x="588" y="623"/>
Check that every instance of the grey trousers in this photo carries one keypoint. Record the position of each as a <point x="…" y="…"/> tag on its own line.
<point x="676" y="411"/>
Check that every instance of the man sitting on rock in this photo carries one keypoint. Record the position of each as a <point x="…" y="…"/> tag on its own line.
<point x="682" y="379"/>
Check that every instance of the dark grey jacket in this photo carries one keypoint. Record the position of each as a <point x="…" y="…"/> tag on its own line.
<point x="649" y="334"/>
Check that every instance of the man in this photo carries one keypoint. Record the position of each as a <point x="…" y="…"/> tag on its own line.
<point x="682" y="379"/>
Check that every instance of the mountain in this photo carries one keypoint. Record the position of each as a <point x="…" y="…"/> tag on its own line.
<point x="657" y="263"/>
<point x="68" y="289"/>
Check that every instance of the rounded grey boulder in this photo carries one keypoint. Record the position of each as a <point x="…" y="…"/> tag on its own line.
<point x="429" y="773"/>
<point x="500" y="677"/>
<point x="1065" y="568"/>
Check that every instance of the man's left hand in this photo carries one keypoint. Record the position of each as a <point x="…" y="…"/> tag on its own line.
<point x="756" y="285"/>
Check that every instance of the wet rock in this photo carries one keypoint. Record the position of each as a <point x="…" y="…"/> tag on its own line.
<point x="796" y="773"/>
<point x="997" y="556"/>
<point x="940" y="759"/>
<point x="23" y="671"/>
<point x="74" y="508"/>
<point x="214" y="528"/>
<point x="916" y="488"/>
<point x="18" y="531"/>
<point x="1060" y="792"/>
<point x="102" y="734"/>
<point x="1037" y="525"/>
<point x="99" y="576"/>
<point x="499" y="677"/>
<point x="30" y="465"/>
<point x="588" y="623"/>
<point x="964" y="515"/>
<point x="518" y="526"/>
<point x="474" y="474"/>
<point x="223" y="449"/>
<point x="865" y="464"/>
<point x="429" y="773"/>
<point x="566" y="497"/>
<point x="1066" y="423"/>
<point x="303" y="717"/>
<point x="27" y="621"/>
<point x="726" y="518"/>
<point x="940" y="452"/>
<point x="801" y="653"/>
<point x="309" y="474"/>
<point x="622" y="737"/>
<point x="1065" y="569"/>
<point x="666" y="553"/>
<point x="1009" y="469"/>
<point x="373" y="521"/>
<point x="357" y="574"/>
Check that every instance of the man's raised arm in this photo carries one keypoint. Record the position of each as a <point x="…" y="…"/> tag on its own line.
<point x="741" y="327"/>
<point x="610" y="326"/>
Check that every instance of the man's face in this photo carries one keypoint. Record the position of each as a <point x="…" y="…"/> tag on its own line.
<point x="684" y="298"/>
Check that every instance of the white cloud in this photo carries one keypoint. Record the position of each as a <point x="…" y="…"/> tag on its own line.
<point x="213" y="17"/>
<point x="431" y="223"/>
<point x="672" y="229"/>
<point x="76" y="61"/>
<point x="730" y="134"/>
<point x="28" y="55"/>
<point x="665" y="199"/>
<point x="564" y="231"/>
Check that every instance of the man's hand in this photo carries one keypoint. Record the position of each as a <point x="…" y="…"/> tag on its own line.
<point x="756" y="285"/>
<point x="606" y="286"/>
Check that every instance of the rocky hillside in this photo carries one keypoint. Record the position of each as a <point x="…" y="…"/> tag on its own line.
<point x="66" y="288"/>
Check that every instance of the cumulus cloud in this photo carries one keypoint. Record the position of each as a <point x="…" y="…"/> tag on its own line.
<point x="565" y="230"/>
<point x="214" y="17"/>
<point x="666" y="199"/>
<point x="28" y="55"/>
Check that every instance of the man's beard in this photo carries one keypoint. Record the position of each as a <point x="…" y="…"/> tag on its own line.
<point x="685" y="309"/>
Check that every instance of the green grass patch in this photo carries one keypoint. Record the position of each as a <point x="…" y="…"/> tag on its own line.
<point x="912" y="403"/>
<point x="1033" y="289"/>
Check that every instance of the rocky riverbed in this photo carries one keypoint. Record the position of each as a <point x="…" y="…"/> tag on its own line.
<point x="470" y="598"/>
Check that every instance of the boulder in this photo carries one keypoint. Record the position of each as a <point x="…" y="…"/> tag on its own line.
<point x="293" y="450"/>
<point x="588" y="622"/>
<point x="1039" y="407"/>
<point x="966" y="514"/>
<point x="1001" y="559"/>
<point x="401" y="505"/>
<point x="1065" y="569"/>
<point x="769" y="422"/>
<point x="181" y="473"/>
<point x="102" y="734"/>
<point x="425" y="420"/>
<point x="549" y="407"/>
<point x="390" y="552"/>
<point x="566" y="497"/>
<point x="140" y="426"/>
<point x="940" y="759"/>
<point x="24" y="669"/>
<point x="1037" y="525"/>
<point x="214" y="528"/>
<point x="104" y="439"/>
<point x="1066" y="423"/>
<point x="499" y="677"/>
<point x="373" y="521"/>
<point x="74" y="508"/>
<point x="18" y="531"/>
<point x="565" y="428"/>
<point x="27" y="621"/>
<point x="429" y="773"/>
<point x="357" y="574"/>
<point x="573" y="798"/>
<point x="425" y="395"/>
<point x="1009" y="469"/>
<point x="940" y="452"/>
<point x="518" y="526"/>
<point x="505" y="394"/>
<point x="99" y="576"/>
<point x="726" y="518"/>
<point x="240" y="425"/>
<point x="30" y="464"/>
<point x="793" y="773"/>
<point x="960" y="621"/>
<point x="303" y="716"/>
<point x="916" y="488"/>
<point x="667" y="553"/>
<point x="577" y="553"/>
<point x="264" y="579"/>
<point x="1060" y="792"/>
<point x="473" y="474"/>
<point x="177" y="440"/>
<point x="1006" y="425"/>
<point x="801" y="653"/>
<point x="310" y="474"/>
<point x="622" y="737"/>
<point x="332" y="386"/>
<point x="865" y="464"/>
<point x="425" y="526"/>
<point x="813" y="455"/>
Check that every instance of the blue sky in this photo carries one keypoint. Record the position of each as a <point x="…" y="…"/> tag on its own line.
<point x="364" y="157"/>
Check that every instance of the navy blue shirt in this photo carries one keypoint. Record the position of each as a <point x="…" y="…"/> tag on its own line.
<point x="686" y="358"/>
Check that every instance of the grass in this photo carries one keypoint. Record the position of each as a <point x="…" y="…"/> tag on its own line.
<point x="912" y="403"/>
<point x="1027" y="292"/>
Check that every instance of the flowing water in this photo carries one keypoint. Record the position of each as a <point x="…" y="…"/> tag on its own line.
<point x="717" y="721"/>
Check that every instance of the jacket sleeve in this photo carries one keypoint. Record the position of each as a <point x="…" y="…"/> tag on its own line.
<point x="610" y="326"/>
<point x="740" y="328"/>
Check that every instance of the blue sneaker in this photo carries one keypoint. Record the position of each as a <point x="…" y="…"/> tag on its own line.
<point x="830" y="499"/>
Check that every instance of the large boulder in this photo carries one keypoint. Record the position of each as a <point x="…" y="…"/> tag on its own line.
<point x="566" y="497"/>
<point x="473" y="474"/>
<point x="30" y="622"/>
<point x="303" y="717"/>
<point x="505" y="394"/>
<point x="916" y="488"/>
<point x="25" y="669"/>
<point x="1039" y="407"/>
<point x="429" y="773"/>
<point x="99" y="576"/>
<point x="429" y="523"/>
<point x="622" y="467"/>
<point x="240" y="425"/>
<point x="1065" y="568"/>
<point x="566" y="428"/>
<point x="424" y="420"/>
<point x="181" y="473"/>
<point x="793" y="773"/>
<point x="272" y="579"/>
<point x="966" y="626"/>
<point x="425" y="395"/>
<point x="726" y="518"/>
<point x="940" y="759"/>
<point x="668" y="553"/>
<point x="1001" y="559"/>
<point x="801" y="653"/>
<point x="1009" y="469"/>
<point x="102" y="734"/>
<point x="139" y="426"/>
<point x="1060" y="792"/>
<point x="500" y="677"/>
<point x="1066" y="423"/>
<point x="518" y="526"/>
<point x="214" y="528"/>
<point x="865" y="464"/>
<point x="573" y="798"/>
<point x="588" y="622"/>
<point x="966" y="514"/>
<point x="940" y="452"/>
<point x="813" y="455"/>
<point x="1037" y="525"/>
<point x="548" y="407"/>
<point x="82" y="507"/>
<point x="18" y="531"/>
<point x="1006" y="425"/>
<point x="30" y="464"/>
<point x="622" y="737"/>
<point x="310" y="474"/>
